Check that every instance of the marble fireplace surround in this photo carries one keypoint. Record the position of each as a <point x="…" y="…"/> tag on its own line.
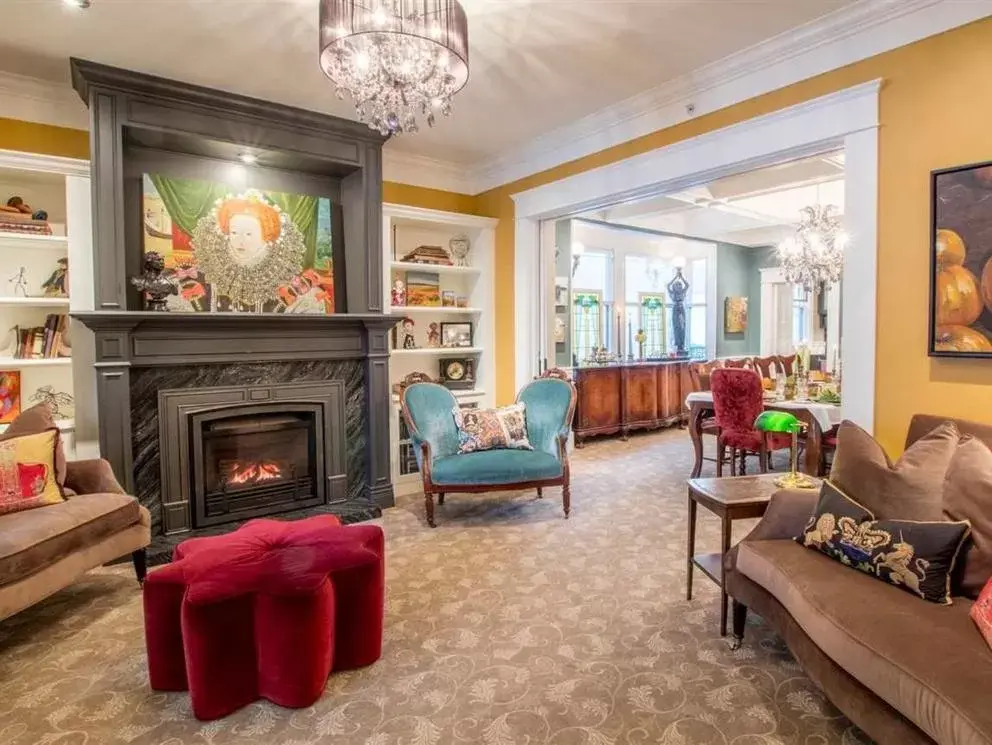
<point x="139" y="353"/>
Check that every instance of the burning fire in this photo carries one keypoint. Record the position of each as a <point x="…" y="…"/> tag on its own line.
<point x="252" y="473"/>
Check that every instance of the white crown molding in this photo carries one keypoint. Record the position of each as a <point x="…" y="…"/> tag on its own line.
<point x="16" y="160"/>
<point x="417" y="170"/>
<point x="854" y="33"/>
<point x="42" y="102"/>
<point x="446" y="218"/>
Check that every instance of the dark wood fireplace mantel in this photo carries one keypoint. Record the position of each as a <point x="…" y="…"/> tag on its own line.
<point x="124" y="340"/>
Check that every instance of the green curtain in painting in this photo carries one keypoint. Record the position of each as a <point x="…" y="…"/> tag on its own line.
<point x="188" y="200"/>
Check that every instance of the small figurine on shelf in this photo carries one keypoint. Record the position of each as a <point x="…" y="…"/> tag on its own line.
<point x="57" y="285"/>
<point x="433" y="336"/>
<point x="459" y="246"/>
<point x="153" y="284"/>
<point x="640" y="337"/>
<point x="20" y="282"/>
<point x="399" y="293"/>
<point x="408" y="341"/>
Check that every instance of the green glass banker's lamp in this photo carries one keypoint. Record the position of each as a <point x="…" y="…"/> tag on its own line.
<point x="783" y="422"/>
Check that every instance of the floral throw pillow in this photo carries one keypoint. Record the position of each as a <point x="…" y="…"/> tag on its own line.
<point x="917" y="557"/>
<point x="981" y="612"/>
<point x="490" y="429"/>
<point x="27" y="472"/>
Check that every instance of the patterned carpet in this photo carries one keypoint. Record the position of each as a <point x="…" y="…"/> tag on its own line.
<point x="506" y="625"/>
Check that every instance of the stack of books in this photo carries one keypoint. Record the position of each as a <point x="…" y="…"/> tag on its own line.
<point x="41" y="342"/>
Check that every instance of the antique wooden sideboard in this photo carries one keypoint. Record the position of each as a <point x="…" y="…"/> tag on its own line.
<point x="635" y="395"/>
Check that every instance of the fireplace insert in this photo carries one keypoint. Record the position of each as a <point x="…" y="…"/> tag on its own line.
<point x="250" y="461"/>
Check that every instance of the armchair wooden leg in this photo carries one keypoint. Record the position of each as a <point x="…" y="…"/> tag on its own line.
<point x="140" y="560"/>
<point x="540" y="493"/>
<point x="566" y="498"/>
<point x="429" y="508"/>
<point x="739" y="612"/>
<point x="440" y="497"/>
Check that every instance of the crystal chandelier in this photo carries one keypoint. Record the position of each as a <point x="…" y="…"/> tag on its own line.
<point x="814" y="257"/>
<point x="397" y="59"/>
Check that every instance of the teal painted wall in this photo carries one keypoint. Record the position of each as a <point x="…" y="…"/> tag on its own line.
<point x="738" y="275"/>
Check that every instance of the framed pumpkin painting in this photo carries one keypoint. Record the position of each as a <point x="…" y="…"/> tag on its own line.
<point x="961" y="261"/>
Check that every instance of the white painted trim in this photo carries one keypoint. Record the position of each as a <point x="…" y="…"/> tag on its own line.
<point x="856" y="32"/>
<point x="851" y="34"/>
<point x="438" y="216"/>
<point x="45" y="163"/>
<point x="430" y="173"/>
<point x="847" y="118"/>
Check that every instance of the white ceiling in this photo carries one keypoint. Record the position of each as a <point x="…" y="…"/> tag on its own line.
<point x="536" y="65"/>
<point x="756" y="208"/>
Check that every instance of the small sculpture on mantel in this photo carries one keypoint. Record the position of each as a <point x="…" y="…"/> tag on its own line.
<point x="153" y="284"/>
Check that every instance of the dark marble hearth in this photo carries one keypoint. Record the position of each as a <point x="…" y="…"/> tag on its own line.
<point x="160" y="550"/>
<point x="148" y="381"/>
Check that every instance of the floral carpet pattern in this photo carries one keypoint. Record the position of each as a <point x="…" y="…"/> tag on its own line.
<point x="507" y="625"/>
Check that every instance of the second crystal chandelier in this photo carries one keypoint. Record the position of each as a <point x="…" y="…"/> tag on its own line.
<point x="398" y="59"/>
<point x="814" y="257"/>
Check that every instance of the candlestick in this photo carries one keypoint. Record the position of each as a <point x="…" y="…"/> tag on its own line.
<point x="630" y="342"/>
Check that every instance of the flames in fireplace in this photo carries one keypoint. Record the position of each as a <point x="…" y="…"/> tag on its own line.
<point x="241" y="473"/>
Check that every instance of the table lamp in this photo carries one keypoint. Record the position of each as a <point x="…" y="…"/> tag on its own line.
<point x="784" y="422"/>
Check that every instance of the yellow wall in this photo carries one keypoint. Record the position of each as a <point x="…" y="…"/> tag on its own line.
<point x="934" y="112"/>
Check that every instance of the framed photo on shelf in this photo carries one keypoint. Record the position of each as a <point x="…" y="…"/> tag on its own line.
<point x="456" y="334"/>
<point x="961" y="262"/>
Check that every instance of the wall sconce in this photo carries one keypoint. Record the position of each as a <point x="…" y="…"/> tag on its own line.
<point x="578" y="250"/>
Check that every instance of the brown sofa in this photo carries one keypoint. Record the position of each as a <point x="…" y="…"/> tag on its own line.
<point x="904" y="670"/>
<point x="47" y="548"/>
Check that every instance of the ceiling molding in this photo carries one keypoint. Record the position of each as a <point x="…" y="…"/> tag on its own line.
<point x="859" y="31"/>
<point x="42" y="102"/>
<point x="854" y="33"/>
<point x="417" y="170"/>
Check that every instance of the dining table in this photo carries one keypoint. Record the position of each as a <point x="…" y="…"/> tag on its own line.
<point x="818" y="417"/>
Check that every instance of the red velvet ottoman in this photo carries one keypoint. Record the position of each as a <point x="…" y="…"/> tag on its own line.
<point x="267" y="611"/>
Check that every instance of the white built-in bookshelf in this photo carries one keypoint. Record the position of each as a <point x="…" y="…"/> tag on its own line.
<point x="405" y="229"/>
<point x="61" y="187"/>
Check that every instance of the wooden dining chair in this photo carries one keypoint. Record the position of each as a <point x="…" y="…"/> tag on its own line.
<point x="738" y="399"/>
<point x="743" y="363"/>
<point x="786" y="363"/>
<point x="767" y="367"/>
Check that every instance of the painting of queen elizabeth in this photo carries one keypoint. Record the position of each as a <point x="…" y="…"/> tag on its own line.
<point x="249" y="252"/>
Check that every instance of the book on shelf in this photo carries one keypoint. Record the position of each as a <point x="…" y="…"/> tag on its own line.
<point x="43" y="342"/>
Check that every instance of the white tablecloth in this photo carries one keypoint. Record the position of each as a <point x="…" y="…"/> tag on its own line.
<point x="827" y="416"/>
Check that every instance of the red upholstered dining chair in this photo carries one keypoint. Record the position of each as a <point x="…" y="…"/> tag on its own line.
<point x="737" y="401"/>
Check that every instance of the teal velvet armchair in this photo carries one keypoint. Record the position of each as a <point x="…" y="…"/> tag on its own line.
<point x="550" y="405"/>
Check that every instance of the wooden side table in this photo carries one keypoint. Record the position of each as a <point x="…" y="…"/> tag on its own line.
<point x="733" y="498"/>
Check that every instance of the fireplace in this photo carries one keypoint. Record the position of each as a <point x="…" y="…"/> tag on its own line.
<point x="255" y="460"/>
<point x="231" y="453"/>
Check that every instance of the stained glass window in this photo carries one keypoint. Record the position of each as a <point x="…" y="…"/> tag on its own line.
<point x="654" y="322"/>
<point x="587" y="323"/>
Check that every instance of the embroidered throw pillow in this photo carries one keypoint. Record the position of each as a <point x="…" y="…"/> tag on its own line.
<point x="27" y="472"/>
<point x="917" y="557"/>
<point x="981" y="613"/>
<point x="489" y="429"/>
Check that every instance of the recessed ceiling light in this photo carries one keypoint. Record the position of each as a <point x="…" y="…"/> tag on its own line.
<point x="247" y="158"/>
<point x="77" y="3"/>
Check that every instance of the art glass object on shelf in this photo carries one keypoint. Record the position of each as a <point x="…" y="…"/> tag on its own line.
<point x="57" y="284"/>
<point x="460" y="246"/>
<point x="640" y="337"/>
<point x="782" y="422"/>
